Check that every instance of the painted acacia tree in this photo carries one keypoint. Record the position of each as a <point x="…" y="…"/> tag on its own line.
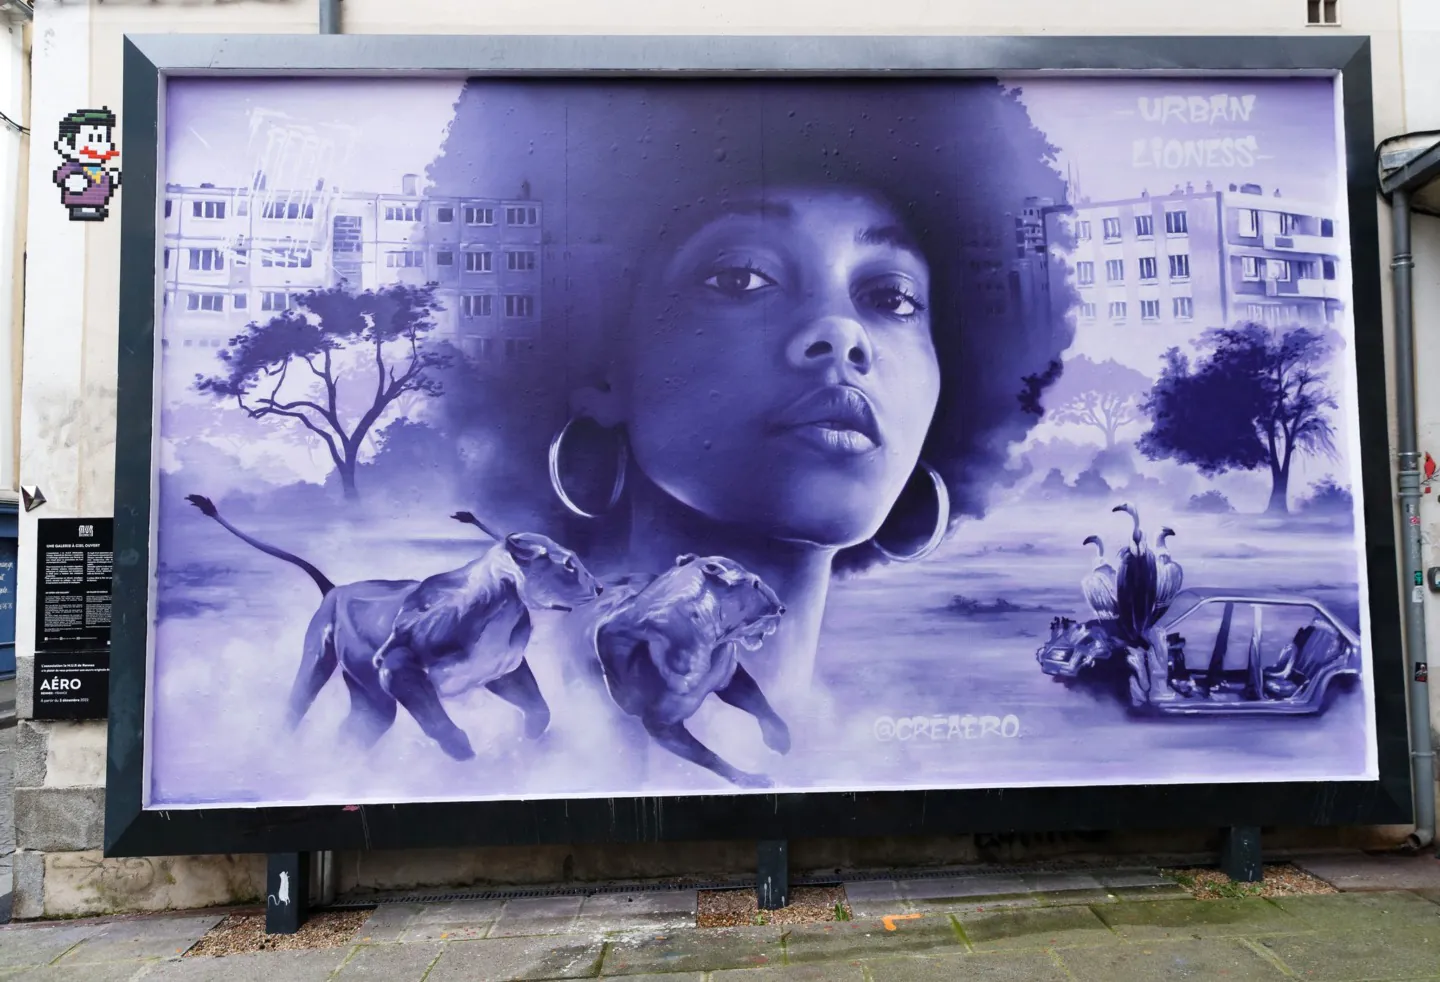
<point x="1257" y="398"/>
<point x="1104" y="394"/>
<point x="335" y="364"/>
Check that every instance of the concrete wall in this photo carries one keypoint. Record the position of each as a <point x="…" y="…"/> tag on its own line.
<point x="67" y="437"/>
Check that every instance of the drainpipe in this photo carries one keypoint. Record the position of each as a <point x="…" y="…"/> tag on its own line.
<point x="325" y="875"/>
<point x="1422" y="754"/>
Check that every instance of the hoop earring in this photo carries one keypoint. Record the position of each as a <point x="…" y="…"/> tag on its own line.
<point x="942" y="522"/>
<point x="558" y="486"/>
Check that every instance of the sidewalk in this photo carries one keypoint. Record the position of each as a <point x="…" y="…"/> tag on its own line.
<point x="1098" y="926"/>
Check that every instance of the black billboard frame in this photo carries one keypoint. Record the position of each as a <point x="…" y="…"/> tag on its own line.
<point x="133" y="830"/>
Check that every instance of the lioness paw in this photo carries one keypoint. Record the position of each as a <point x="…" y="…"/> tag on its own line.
<point x="753" y="780"/>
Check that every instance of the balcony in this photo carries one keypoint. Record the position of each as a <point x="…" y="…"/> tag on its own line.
<point x="1312" y="244"/>
<point x="1323" y="289"/>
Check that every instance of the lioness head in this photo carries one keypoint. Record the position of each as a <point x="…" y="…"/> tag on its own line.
<point x="553" y="578"/>
<point x="748" y="610"/>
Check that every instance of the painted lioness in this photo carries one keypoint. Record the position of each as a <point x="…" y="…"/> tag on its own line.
<point x="665" y="643"/>
<point x="414" y="641"/>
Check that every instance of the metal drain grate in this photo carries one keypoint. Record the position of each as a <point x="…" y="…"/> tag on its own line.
<point x="593" y="889"/>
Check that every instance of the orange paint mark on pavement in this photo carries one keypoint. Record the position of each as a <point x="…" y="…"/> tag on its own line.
<point x="889" y="919"/>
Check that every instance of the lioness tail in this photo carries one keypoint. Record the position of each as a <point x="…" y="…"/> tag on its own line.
<point x="208" y="509"/>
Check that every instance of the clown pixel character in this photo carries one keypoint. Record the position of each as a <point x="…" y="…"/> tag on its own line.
<point x="88" y="178"/>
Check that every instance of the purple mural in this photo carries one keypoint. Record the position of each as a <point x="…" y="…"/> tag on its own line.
<point x="572" y="438"/>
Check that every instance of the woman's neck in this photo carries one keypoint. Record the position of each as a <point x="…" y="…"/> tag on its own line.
<point x="661" y="529"/>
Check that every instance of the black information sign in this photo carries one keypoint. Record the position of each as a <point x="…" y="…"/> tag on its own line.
<point x="76" y="559"/>
<point x="72" y="684"/>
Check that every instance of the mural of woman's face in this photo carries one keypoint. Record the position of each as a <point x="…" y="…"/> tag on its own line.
<point x="780" y="371"/>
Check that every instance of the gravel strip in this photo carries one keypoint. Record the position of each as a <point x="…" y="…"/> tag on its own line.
<point x="246" y="932"/>
<point x="1281" y="880"/>
<point x="738" y="908"/>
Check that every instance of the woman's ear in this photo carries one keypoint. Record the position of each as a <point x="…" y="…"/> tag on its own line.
<point x="598" y="402"/>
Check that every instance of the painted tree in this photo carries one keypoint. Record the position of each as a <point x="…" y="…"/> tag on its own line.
<point x="1106" y="395"/>
<point x="1255" y="399"/>
<point x="335" y="363"/>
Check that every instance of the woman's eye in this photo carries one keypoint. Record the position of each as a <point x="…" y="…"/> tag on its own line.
<point x="896" y="303"/>
<point x="738" y="280"/>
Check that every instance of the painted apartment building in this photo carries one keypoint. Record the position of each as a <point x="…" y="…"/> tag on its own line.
<point x="237" y="255"/>
<point x="1214" y="256"/>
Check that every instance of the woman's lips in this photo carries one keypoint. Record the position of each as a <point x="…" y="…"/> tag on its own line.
<point x="838" y="419"/>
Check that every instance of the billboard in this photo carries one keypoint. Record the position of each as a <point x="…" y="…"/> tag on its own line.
<point x="547" y="438"/>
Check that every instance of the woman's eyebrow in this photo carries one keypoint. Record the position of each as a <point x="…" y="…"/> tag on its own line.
<point x="891" y="235"/>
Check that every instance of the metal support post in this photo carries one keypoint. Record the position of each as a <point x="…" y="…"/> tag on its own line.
<point x="1240" y="854"/>
<point x="287" y="891"/>
<point x="772" y="880"/>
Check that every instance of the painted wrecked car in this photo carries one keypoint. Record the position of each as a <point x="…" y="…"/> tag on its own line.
<point x="1215" y="652"/>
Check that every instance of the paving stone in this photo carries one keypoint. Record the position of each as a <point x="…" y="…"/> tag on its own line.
<point x="1358" y="871"/>
<point x="875" y="898"/>
<point x="648" y="911"/>
<point x="1140" y="884"/>
<point x="1011" y="966"/>
<point x="507" y="959"/>
<point x="1178" y="919"/>
<point x="1362" y="911"/>
<point x="1163" y="961"/>
<point x="1034" y="927"/>
<point x="265" y="966"/>
<point x="1065" y="888"/>
<point x="164" y="937"/>
<point x="128" y="971"/>
<point x="456" y="921"/>
<point x="537" y="915"/>
<point x="870" y="938"/>
<point x="1346" y="957"/>
<point x="39" y="945"/>
<point x="389" y="962"/>
<point x="708" y="950"/>
<point x="826" y="972"/>
<point x="987" y="889"/>
<point x="388" y="922"/>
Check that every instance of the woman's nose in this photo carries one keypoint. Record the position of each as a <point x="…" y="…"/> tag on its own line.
<point x="832" y="339"/>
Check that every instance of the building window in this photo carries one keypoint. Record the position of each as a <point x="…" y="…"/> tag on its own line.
<point x="1329" y="267"/>
<point x="241" y="301"/>
<point x="1114" y="270"/>
<point x="1289" y="224"/>
<point x="445" y="214"/>
<point x="1149" y="310"/>
<point x="479" y="216"/>
<point x="1082" y="231"/>
<point x="1087" y="311"/>
<point x="1249" y="223"/>
<point x="167" y="257"/>
<point x="519" y="305"/>
<point x="1251" y="268"/>
<point x="1255" y="312"/>
<point x="1144" y="226"/>
<point x="402" y="213"/>
<point x="405" y="259"/>
<point x="1180" y="266"/>
<point x="207" y="209"/>
<point x="1177" y="223"/>
<point x="1184" y="308"/>
<point x="522" y="216"/>
<point x="1322" y="13"/>
<point x="1278" y="270"/>
<point x="1112" y="229"/>
<point x="478" y="262"/>
<point x="168" y="204"/>
<point x="242" y="206"/>
<point x="1327" y="227"/>
<point x="475" y="305"/>
<point x="270" y="300"/>
<point x="1149" y="268"/>
<point x="1117" y="310"/>
<point x="287" y="258"/>
<point x="287" y="210"/>
<point x="212" y="302"/>
<point x="207" y="259"/>
<point x="1085" y="273"/>
<point x="519" y="260"/>
<point x="1305" y="269"/>
<point x="444" y="259"/>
